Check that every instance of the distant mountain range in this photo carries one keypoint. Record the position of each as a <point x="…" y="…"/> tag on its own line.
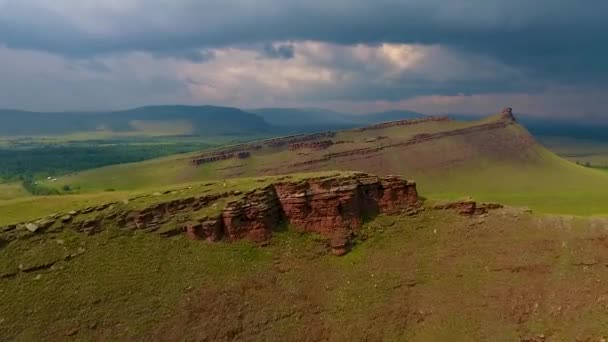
<point x="203" y="120"/>
<point x="222" y="121"/>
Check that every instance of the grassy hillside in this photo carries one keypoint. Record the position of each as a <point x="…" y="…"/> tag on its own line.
<point x="584" y="152"/>
<point x="437" y="276"/>
<point x="502" y="164"/>
<point x="151" y="120"/>
<point x="12" y="191"/>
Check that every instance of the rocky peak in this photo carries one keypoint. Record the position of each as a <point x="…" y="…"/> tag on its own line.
<point x="507" y="114"/>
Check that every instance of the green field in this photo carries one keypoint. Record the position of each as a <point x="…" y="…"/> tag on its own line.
<point x="12" y="191"/>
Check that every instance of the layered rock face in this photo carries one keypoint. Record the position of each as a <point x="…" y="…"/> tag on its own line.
<point x="407" y="122"/>
<point x="314" y="145"/>
<point x="221" y="156"/>
<point x="507" y="119"/>
<point x="333" y="206"/>
<point x="336" y="207"/>
<point x="254" y="217"/>
<point x="468" y="207"/>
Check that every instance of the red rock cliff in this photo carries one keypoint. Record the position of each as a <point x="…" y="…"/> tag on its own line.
<point x="333" y="207"/>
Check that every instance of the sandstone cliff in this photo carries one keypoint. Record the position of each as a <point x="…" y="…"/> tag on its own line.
<point x="333" y="206"/>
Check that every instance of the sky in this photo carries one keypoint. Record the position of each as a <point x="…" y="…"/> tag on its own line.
<point x="542" y="57"/>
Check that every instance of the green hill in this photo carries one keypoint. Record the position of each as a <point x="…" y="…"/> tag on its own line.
<point x="493" y="159"/>
<point x="430" y="275"/>
<point x="96" y="264"/>
<point x="159" y="120"/>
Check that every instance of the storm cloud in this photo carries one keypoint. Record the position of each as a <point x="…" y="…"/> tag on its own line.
<point x="468" y="47"/>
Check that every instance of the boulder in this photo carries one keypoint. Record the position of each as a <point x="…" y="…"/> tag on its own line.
<point x="32" y="227"/>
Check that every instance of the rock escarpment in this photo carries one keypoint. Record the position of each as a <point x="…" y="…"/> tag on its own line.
<point x="333" y="206"/>
<point x="279" y="142"/>
<point x="506" y="120"/>
<point x="220" y="156"/>
<point x="314" y="145"/>
<point x="406" y="122"/>
<point x="468" y="207"/>
<point x="315" y="141"/>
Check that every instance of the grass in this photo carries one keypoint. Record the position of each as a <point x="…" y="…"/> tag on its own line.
<point x="34" y="207"/>
<point x="551" y="185"/>
<point x="434" y="277"/>
<point x="584" y="152"/>
<point x="30" y="208"/>
<point x="12" y="191"/>
<point x="128" y="281"/>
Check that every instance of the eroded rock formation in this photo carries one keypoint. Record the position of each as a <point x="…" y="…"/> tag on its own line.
<point x="313" y="145"/>
<point x="279" y="142"/>
<point x="468" y="207"/>
<point x="333" y="206"/>
<point x="523" y="142"/>
<point x="408" y="122"/>
<point x="507" y="114"/>
<point x="221" y="156"/>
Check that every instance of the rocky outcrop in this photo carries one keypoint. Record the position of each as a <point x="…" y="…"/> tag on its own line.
<point x="243" y="151"/>
<point x="218" y="157"/>
<point x="524" y="141"/>
<point x="279" y="142"/>
<point x="313" y="145"/>
<point x="375" y="139"/>
<point x="468" y="207"/>
<point x="253" y="217"/>
<point x="333" y="206"/>
<point x="408" y="122"/>
<point x="507" y="114"/>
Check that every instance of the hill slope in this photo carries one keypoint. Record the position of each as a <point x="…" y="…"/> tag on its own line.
<point x="311" y="119"/>
<point x="421" y="275"/>
<point x="493" y="159"/>
<point x="199" y="120"/>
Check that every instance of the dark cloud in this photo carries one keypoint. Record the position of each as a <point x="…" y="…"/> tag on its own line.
<point x="532" y="44"/>
<point x="280" y="51"/>
<point x="562" y="40"/>
<point x="541" y="29"/>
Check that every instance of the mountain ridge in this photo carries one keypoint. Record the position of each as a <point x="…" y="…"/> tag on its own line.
<point x="204" y="120"/>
